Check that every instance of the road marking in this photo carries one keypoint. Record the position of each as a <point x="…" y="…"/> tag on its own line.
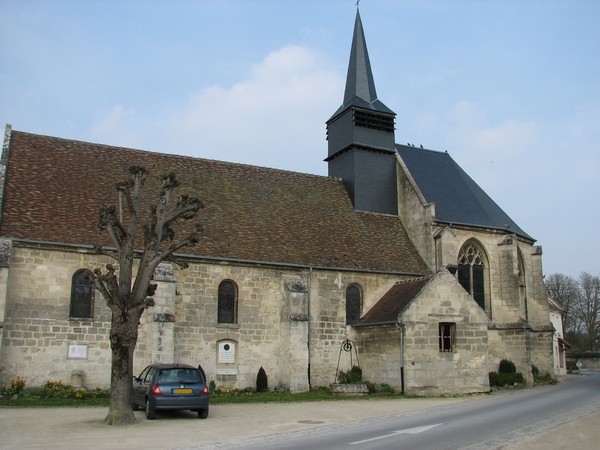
<point x="415" y="430"/>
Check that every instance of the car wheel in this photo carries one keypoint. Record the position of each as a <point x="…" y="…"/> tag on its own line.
<point x="203" y="413"/>
<point x="150" y="413"/>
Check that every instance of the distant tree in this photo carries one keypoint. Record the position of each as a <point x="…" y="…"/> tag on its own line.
<point x="580" y="299"/>
<point x="589" y="306"/>
<point x="565" y="291"/>
<point x="126" y="298"/>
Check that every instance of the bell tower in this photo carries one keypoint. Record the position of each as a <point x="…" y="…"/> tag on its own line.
<point x="361" y="141"/>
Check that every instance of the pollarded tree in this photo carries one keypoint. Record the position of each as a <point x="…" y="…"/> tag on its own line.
<point x="126" y="298"/>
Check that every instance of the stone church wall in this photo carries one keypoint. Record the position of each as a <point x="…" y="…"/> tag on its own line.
<point x="328" y="320"/>
<point x="379" y="355"/>
<point x="516" y="302"/>
<point x="288" y="320"/>
<point x="291" y="322"/>
<point x="40" y="341"/>
<point x="416" y="216"/>
<point x="428" y="371"/>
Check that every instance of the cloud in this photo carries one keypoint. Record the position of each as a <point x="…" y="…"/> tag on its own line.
<point x="271" y="118"/>
<point x="484" y="148"/>
<point x="472" y="133"/>
<point x="276" y="117"/>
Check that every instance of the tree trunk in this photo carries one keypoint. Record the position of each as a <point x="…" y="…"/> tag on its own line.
<point x="123" y="337"/>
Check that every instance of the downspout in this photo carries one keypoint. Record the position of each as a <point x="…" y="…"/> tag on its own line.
<point x="400" y="326"/>
<point x="309" y="320"/>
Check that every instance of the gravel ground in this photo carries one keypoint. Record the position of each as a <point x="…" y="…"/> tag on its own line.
<point x="77" y="428"/>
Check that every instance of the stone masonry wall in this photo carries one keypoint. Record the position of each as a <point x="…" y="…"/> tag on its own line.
<point x="429" y="371"/>
<point x="37" y="329"/>
<point x="290" y="322"/>
<point x="379" y="354"/>
<point x="416" y="216"/>
<point x="328" y="319"/>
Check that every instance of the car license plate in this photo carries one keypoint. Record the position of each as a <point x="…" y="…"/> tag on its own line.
<point x="182" y="391"/>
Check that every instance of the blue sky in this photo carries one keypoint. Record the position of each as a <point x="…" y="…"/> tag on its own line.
<point x="511" y="89"/>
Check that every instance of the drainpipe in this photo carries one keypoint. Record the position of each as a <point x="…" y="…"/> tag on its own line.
<point x="309" y="319"/>
<point x="400" y="326"/>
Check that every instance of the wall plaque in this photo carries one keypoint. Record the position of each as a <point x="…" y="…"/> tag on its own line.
<point x="77" y="351"/>
<point x="226" y="353"/>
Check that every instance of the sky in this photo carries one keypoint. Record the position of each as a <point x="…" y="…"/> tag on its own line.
<point x="511" y="89"/>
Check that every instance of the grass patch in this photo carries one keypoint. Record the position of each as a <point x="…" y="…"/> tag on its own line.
<point x="30" y="402"/>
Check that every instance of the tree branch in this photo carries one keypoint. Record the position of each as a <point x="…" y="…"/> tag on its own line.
<point x="106" y="284"/>
<point x="109" y="221"/>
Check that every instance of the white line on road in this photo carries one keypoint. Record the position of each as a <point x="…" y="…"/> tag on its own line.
<point x="414" y="430"/>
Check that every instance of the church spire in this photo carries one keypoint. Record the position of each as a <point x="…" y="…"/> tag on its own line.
<point x="359" y="81"/>
<point x="360" y="85"/>
<point x="361" y="148"/>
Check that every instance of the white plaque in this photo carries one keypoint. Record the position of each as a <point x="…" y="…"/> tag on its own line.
<point x="226" y="353"/>
<point x="77" y="351"/>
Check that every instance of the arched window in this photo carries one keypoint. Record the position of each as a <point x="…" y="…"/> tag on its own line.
<point x="227" y="303"/>
<point x="353" y="304"/>
<point x="82" y="295"/>
<point x="472" y="266"/>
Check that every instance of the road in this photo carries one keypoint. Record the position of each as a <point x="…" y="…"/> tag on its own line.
<point x="487" y="423"/>
<point x="567" y="413"/>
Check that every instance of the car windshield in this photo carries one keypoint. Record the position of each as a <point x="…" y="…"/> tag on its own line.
<point x="179" y="376"/>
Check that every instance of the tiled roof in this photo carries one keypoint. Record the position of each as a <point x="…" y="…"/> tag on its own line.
<point x="54" y="188"/>
<point x="458" y="199"/>
<point x="388" y="308"/>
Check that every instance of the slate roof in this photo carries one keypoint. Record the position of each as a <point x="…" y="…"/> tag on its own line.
<point x="389" y="307"/>
<point x="458" y="199"/>
<point x="54" y="188"/>
<point x="360" y="85"/>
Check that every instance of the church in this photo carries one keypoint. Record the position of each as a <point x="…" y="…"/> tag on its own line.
<point x="397" y="262"/>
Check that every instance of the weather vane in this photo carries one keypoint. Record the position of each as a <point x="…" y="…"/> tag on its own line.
<point x="357" y="3"/>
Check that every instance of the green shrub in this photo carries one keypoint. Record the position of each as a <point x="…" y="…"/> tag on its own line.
<point x="351" y="376"/>
<point x="56" y="389"/>
<point x="262" y="384"/>
<point x="545" y="378"/>
<point x="53" y="390"/>
<point x="507" y="366"/>
<point x="505" y="379"/>
<point x="92" y="393"/>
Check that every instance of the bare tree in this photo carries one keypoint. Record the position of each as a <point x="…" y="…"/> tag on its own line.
<point x="127" y="298"/>
<point x="564" y="290"/>
<point x="589" y="306"/>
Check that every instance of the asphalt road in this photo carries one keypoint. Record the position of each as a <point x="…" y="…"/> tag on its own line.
<point x="262" y="425"/>
<point x="491" y="422"/>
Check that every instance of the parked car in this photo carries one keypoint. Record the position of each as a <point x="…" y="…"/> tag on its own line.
<point x="162" y="387"/>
